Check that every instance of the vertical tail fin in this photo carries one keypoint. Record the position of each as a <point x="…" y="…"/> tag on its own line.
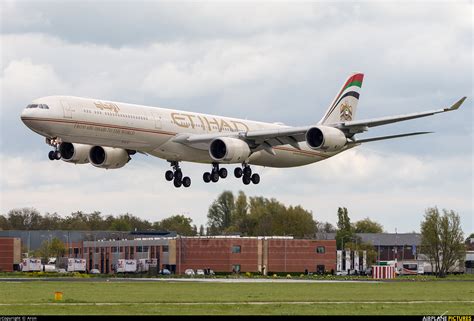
<point x="344" y="106"/>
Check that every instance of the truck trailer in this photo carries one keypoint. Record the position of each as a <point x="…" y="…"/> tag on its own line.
<point x="76" y="265"/>
<point x="31" y="265"/>
<point x="126" y="266"/>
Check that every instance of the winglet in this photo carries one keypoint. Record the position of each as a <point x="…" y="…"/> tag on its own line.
<point x="456" y="105"/>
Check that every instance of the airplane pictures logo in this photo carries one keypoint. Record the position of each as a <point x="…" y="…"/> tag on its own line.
<point x="346" y="112"/>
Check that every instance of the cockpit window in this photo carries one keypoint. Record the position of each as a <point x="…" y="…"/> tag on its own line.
<point x="42" y="106"/>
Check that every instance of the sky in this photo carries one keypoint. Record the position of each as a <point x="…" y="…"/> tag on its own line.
<point x="267" y="61"/>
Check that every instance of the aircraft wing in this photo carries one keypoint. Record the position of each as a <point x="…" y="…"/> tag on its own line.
<point x="257" y="139"/>
<point x="268" y="138"/>
<point x="359" y="126"/>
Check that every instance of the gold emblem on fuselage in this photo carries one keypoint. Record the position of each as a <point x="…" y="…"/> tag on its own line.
<point x="186" y="120"/>
<point x="346" y="112"/>
<point x="107" y="106"/>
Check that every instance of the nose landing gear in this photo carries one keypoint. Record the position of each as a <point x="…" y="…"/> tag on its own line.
<point x="54" y="154"/>
<point x="176" y="175"/>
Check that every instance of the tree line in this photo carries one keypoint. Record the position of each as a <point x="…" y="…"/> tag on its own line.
<point x="228" y="214"/>
<point x="441" y="233"/>
<point x="31" y="219"/>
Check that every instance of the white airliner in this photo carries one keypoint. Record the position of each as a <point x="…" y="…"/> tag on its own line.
<point x="106" y="133"/>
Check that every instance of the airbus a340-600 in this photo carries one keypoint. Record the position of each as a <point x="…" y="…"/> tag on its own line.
<point x="106" y="134"/>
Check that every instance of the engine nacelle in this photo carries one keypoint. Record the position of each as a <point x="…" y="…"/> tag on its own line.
<point x="229" y="150"/>
<point x="325" y="138"/>
<point x="74" y="153"/>
<point x="108" y="157"/>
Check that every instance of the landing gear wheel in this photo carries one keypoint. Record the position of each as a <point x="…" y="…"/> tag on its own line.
<point x="223" y="173"/>
<point x="255" y="178"/>
<point x="169" y="176"/>
<point x="238" y="172"/>
<point x="206" y="177"/>
<point x="246" y="179"/>
<point x="186" y="181"/>
<point x="247" y="171"/>
<point x="57" y="155"/>
<point x="177" y="183"/>
<point x="51" y="155"/>
<point x="178" y="175"/>
<point x="215" y="177"/>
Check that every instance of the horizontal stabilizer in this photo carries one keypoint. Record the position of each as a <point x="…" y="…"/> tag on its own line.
<point x="366" y="140"/>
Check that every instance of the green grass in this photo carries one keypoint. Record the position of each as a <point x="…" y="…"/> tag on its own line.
<point x="460" y="277"/>
<point x="237" y="298"/>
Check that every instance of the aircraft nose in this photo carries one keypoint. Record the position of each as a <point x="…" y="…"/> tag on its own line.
<point x="24" y="115"/>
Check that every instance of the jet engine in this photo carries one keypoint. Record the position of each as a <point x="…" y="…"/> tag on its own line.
<point x="229" y="150"/>
<point x="108" y="157"/>
<point x="74" y="153"/>
<point x="325" y="138"/>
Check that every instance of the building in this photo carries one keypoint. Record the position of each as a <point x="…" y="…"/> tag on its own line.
<point x="32" y="240"/>
<point x="219" y="253"/>
<point x="256" y="254"/>
<point x="388" y="246"/>
<point x="10" y="253"/>
<point x="104" y="254"/>
<point x="393" y="246"/>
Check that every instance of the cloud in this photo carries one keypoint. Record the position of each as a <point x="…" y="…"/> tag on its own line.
<point x="378" y="191"/>
<point x="270" y="62"/>
<point x="214" y="70"/>
<point x="24" y="78"/>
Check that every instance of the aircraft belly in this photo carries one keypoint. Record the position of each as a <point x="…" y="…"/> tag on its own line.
<point x="285" y="157"/>
<point x="178" y="152"/>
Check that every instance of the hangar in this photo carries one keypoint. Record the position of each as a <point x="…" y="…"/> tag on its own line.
<point x="218" y="253"/>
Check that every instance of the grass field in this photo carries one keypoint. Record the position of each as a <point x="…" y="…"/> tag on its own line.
<point x="433" y="298"/>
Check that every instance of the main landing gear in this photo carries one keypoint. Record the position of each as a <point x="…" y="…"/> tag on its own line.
<point x="176" y="175"/>
<point x="54" y="154"/>
<point x="215" y="174"/>
<point x="246" y="173"/>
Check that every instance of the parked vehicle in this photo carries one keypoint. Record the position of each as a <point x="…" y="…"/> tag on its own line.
<point x="200" y="272"/>
<point x="144" y="265"/>
<point x="76" y="265"/>
<point x="48" y="268"/>
<point x="126" y="266"/>
<point x="94" y="271"/>
<point x="410" y="268"/>
<point x="31" y="265"/>
<point x="165" y="272"/>
<point x="189" y="272"/>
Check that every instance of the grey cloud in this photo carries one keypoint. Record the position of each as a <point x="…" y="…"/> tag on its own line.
<point x="121" y="23"/>
<point x="256" y="61"/>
